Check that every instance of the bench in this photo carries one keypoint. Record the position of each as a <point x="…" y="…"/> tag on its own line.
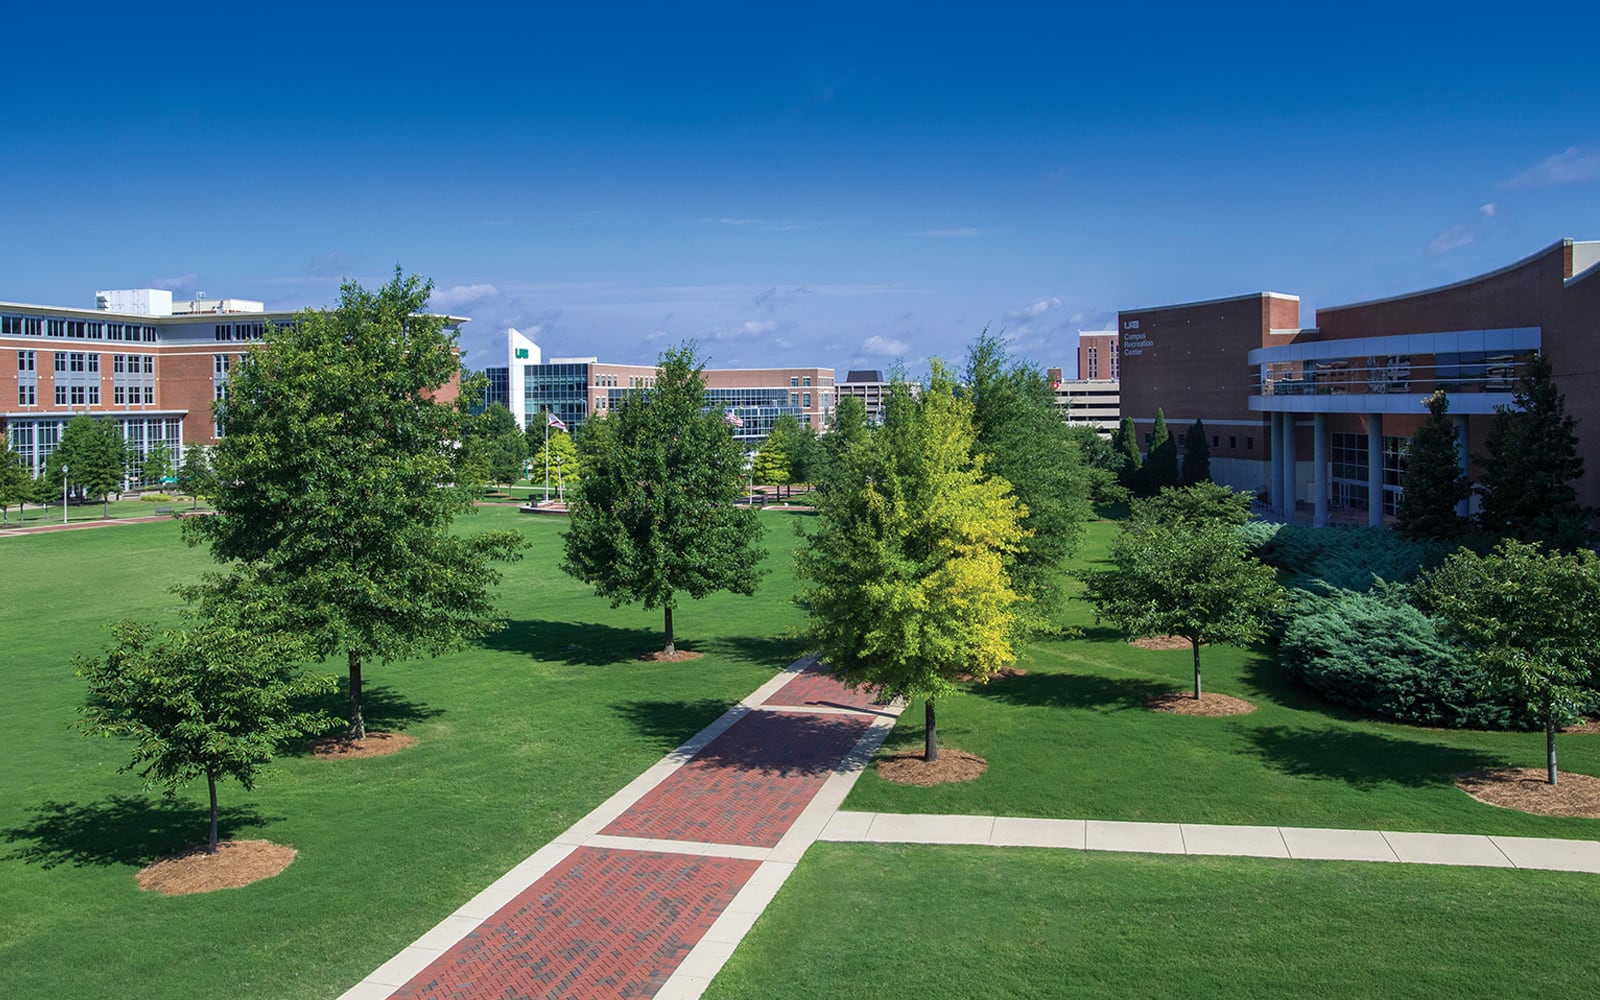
<point x="163" y="510"/>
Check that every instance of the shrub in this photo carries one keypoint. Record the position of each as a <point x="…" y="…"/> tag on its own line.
<point x="1325" y="560"/>
<point x="1374" y="651"/>
<point x="155" y="498"/>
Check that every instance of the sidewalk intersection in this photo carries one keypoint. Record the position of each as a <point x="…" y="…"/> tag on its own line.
<point x="650" y="893"/>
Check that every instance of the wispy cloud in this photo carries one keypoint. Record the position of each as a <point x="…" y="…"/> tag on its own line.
<point x="1566" y="167"/>
<point x="763" y="225"/>
<point x="1465" y="233"/>
<point x="963" y="233"/>
<point x="884" y="346"/>
<point x="333" y="264"/>
<point x="187" y="279"/>
<point x="1036" y="310"/>
<point x="771" y="298"/>
<point x="459" y="295"/>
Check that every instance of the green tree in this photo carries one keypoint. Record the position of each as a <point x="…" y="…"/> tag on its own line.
<point x="1100" y="461"/>
<point x="157" y="464"/>
<point x="16" y="486"/>
<point x="849" y="426"/>
<point x="1433" y="483"/>
<point x="194" y="474"/>
<point x="1531" y="466"/>
<point x="656" y="515"/>
<point x="1181" y="576"/>
<point x="1196" y="456"/>
<point x="566" y="469"/>
<point x="1130" y="461"/>
<point x="1161" y="468"/>
<point x="805" y="455"/>
<point x="498" y="450"/>
<point x="95" y="455"/>
<point x="906" y="571"/>
<point x="336" y="485"/>
<point x="774" y="459"/>
<point x="1028" y="445"/>
<point x="214" y="699"/>
<point x="1532" y="619"/>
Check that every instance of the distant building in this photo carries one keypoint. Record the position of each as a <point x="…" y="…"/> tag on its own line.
<point x="576" y="389"/>
<point x="1094" y="398"/>
<point x="151" y="364"/>
<point x="867" y="385"/>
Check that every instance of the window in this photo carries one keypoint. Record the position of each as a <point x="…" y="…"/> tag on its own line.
<point x="27" y="394"/>
<point x="794" y="399"/>
<point x="794" y="381"/>
<point x="149" y="394"/>
<point x="1233" y="442"/>
<point x="149" y="364"/>
<point x="94" y="395"/>
<point x="1249" y="444"/>
<point x="119" y="395"/>
<point x="60" y="361"/>
<point x="61" y="395"/>
<point x="25" y="361"/>
<point x="1213" y="440"/>
<point x="119" y="364"/>
<point x="807" y="399"/>
<point x="76" y="360"/>
<point x="77" y="395"/>
<point x="806" y="380"/>
<point x="94" y="362"/>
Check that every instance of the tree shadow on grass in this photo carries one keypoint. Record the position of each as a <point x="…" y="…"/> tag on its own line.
<point x="1365" y="760"/>
<point x="1073" y="691"/>
<point x="121" y="830"/>
<point x="667" y="724"/>
<point x="775" y="651"/>
<point x="383" y="709"/>
<point x="583" y="644"/>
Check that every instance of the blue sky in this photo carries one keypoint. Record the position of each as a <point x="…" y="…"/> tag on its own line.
<point x="831" y="185"/>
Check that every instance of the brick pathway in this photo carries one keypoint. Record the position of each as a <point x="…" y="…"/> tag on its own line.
<point x="648" y="895"/>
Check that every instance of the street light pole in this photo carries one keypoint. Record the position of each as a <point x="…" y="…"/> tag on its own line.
<point x="63" y="494"/>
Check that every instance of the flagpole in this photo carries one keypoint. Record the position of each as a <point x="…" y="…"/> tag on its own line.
<point x="546" y="456"/>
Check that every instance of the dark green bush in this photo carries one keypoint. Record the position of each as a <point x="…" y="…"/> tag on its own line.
<point x="1376" y="652"/>
<point x="1325" y="560"/>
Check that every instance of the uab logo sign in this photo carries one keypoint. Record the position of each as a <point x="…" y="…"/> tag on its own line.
<point x="522" y="352"/>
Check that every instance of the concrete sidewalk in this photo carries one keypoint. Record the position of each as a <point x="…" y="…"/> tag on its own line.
<point x="1232" y="841"/>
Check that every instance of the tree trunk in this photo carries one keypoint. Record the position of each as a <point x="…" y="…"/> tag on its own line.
<point x="1550" y="747"/>
<point x="1195" y="642"/>
<point x="671" y="647"/>
<point x="106" y="510"/>
<point x="358" y="725"/>
<point x="211" y="783"/>
<point x="930" y="736"/>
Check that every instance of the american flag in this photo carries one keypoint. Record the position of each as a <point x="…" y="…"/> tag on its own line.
<point x="551" y="420"/>
<point x="732" y="419"/>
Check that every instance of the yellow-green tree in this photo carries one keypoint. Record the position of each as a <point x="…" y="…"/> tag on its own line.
<point x="906" y="570"/>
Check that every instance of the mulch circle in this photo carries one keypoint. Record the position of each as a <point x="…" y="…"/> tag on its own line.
<point x="237" y="863"/>
<point x="1003" y="674"/>
<point x="1160" y="642"/>
<point x="659" y="656"/>
<point x="1588" y="727"/>
<point x="1211" y="705"/>
<point x="1526" y="790"/>
<point x="375" y="745"/>
<point x="911" y="769"/>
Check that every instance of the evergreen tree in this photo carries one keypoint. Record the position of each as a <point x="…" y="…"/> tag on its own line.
<point x="1031" y="448"/>
<point x="1161" y="469"/>
<point x="338" y="481"/>
<point x="656" y="516"/>
<point x="906" y="582"/>
<point x="1531" y="466"/>
<point x="1433" y="483"/>
<point x="1196" y="455"/>
<point x="1130" y="463"/>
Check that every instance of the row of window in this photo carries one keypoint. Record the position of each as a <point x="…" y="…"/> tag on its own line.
<point x="74" y="329"/>
<point x="240" y="331"/>
<point x="80" y="361"/>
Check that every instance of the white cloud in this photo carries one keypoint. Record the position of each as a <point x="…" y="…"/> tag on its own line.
<point x="759" y="326"/>
<point x="1566" y="167"/>
<point x="187" y="279"/>
<point x="966" y="232"/>
<point x="1488" y="211"/>
<point x="1453" y="238"/>
<point x="1036" y="310"/>
<point x="884" y="346"/>
<point x="459" y="295"/>
<point x="765" y="225"/>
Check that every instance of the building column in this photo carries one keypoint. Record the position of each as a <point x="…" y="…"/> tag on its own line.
<point x="1275" y="475"/>
<point x="1464" y="507"/>
<point x="1374" y="470"/>
<point x="1319" y="474"/>
<point x="1288" y="468"/>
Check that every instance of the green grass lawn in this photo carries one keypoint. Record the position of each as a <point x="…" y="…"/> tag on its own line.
<point x="518" y="737"/>
<point x="1071" y="739"/>
<point x="881" y="921"/>
<point x="78" y="513"/>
